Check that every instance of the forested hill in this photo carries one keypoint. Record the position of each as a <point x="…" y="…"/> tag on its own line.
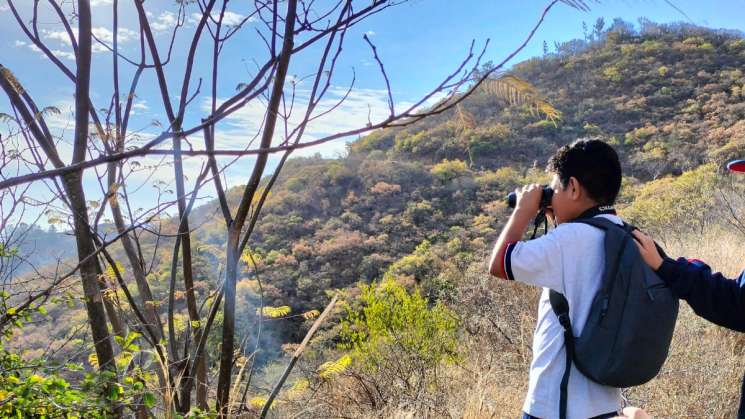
<point x="668" y="96"/>
<point x="424" y="201"/>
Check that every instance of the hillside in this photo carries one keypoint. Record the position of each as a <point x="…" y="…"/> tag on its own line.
<point x="422" y="204"/>
<point x="668" y="98"/>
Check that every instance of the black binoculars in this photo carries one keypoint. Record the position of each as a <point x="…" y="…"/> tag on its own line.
<point x="546" y="196"/>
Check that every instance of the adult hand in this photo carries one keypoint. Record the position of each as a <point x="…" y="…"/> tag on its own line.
<point x="529" y="198"/>
<point x="633" y="413"/>
<point x="648" y="250"/>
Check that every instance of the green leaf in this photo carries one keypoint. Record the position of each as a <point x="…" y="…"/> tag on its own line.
<point x="275" y="312"/>
<point x="115" y="391"/>
<point x="148" y="399"/>
<point x="111" y="273"/>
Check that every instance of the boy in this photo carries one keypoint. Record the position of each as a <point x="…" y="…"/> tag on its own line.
<point x="570" y="260"/>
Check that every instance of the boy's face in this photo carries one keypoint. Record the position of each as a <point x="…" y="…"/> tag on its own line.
<point x="568" y="202"/>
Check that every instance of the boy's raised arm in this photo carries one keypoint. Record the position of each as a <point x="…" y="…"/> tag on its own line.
<point x="528" y="203"/>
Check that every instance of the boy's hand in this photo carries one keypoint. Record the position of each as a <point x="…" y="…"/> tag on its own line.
<point x="648" y="250"/>
<point x="526" y="206"/>
<point x="529" y="198"/>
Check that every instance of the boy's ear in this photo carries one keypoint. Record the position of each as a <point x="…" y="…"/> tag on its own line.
<point x="575" y="189"/>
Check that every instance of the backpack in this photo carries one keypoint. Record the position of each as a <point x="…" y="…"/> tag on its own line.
<point x="632" y="317"/>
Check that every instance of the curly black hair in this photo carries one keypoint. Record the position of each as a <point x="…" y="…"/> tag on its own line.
<point x="594" y="164"/>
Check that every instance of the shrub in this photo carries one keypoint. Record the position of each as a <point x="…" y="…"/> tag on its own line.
<point x="674" y="205"/>
<point x="448" y="170"/>
<point x="395" y="327"/>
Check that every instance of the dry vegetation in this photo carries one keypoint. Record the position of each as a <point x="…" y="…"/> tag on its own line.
<point x="701" y="377"/>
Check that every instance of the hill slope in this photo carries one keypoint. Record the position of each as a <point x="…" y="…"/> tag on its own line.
<point x="423" y="204"/>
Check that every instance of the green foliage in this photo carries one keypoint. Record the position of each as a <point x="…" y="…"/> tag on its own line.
<point x="417" y="265"/>
<point x="6" y="252"/>
<point x="611" y="73"/>
<point x="36" y="388"/>
<point x="26" y="394"/>
<point x="675" y="204"/>
<point x="390" y="318"/>
<point x="275" y="312"/>
<point x="448" y="170"/>
<point x="332" y="368"/>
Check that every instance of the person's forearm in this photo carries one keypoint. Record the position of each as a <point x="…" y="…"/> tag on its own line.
<point x="712" y="296"/>
<point x="513" y="231"/>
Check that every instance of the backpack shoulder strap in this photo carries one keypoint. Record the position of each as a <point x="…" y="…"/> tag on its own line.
<point x="560" y="306"/>
<point x="630" y="229"/>
<point x="598" y="222"/>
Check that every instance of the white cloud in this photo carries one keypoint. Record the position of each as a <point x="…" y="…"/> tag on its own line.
<point x="95" y="3"/>
<point x="228" y="19"/>
<point x="244" y="126"/>
<point x="370" y="33"/>
<point x="164" y="22"/>
<point x="105" y="35"/>
<point x="239" y="128"/>
<point x="232" y="19"/>
<point x="60" y="36"/>
<point x="141" y="105"/>
<point x="68" y="55"/>
<point x="100" y="33"/>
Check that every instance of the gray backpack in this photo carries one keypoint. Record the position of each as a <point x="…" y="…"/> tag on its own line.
<point x="627" y="334"/>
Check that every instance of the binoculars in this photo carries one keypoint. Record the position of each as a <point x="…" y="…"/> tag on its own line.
<point x="546" y="196"/>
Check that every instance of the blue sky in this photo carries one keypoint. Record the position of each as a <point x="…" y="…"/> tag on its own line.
<point x="420" y="41"/>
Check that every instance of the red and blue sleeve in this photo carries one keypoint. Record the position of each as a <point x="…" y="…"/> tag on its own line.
<point x="504" y="259"/>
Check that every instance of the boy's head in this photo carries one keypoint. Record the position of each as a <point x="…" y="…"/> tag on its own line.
<point x="586" y="173"/>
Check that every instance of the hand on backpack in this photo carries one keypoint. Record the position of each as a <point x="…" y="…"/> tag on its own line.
<point x="648" y="250"/>
<point x="633" y="413"/>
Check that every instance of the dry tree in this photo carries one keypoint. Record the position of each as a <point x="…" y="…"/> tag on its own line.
<point x="104" y="149"/>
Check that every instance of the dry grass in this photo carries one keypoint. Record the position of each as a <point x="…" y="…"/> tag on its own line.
<point x="702" y="375"/>
<point x="700" y="379"/>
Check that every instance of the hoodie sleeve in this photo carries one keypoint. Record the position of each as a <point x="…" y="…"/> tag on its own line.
<point x="711" y="295"/>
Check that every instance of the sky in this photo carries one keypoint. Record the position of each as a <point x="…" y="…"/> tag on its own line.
<point x="420" y="41"/>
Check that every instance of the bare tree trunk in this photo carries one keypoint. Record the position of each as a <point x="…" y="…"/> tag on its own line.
<point x="235" y="229"/>
<point x="228" y="325"/>
<point x="117" y="326"/>
<point x="88" y="269"/>
<point x="138" y="270"/>
<point x="186" y="264"/>
<point x="73" y="183"/>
